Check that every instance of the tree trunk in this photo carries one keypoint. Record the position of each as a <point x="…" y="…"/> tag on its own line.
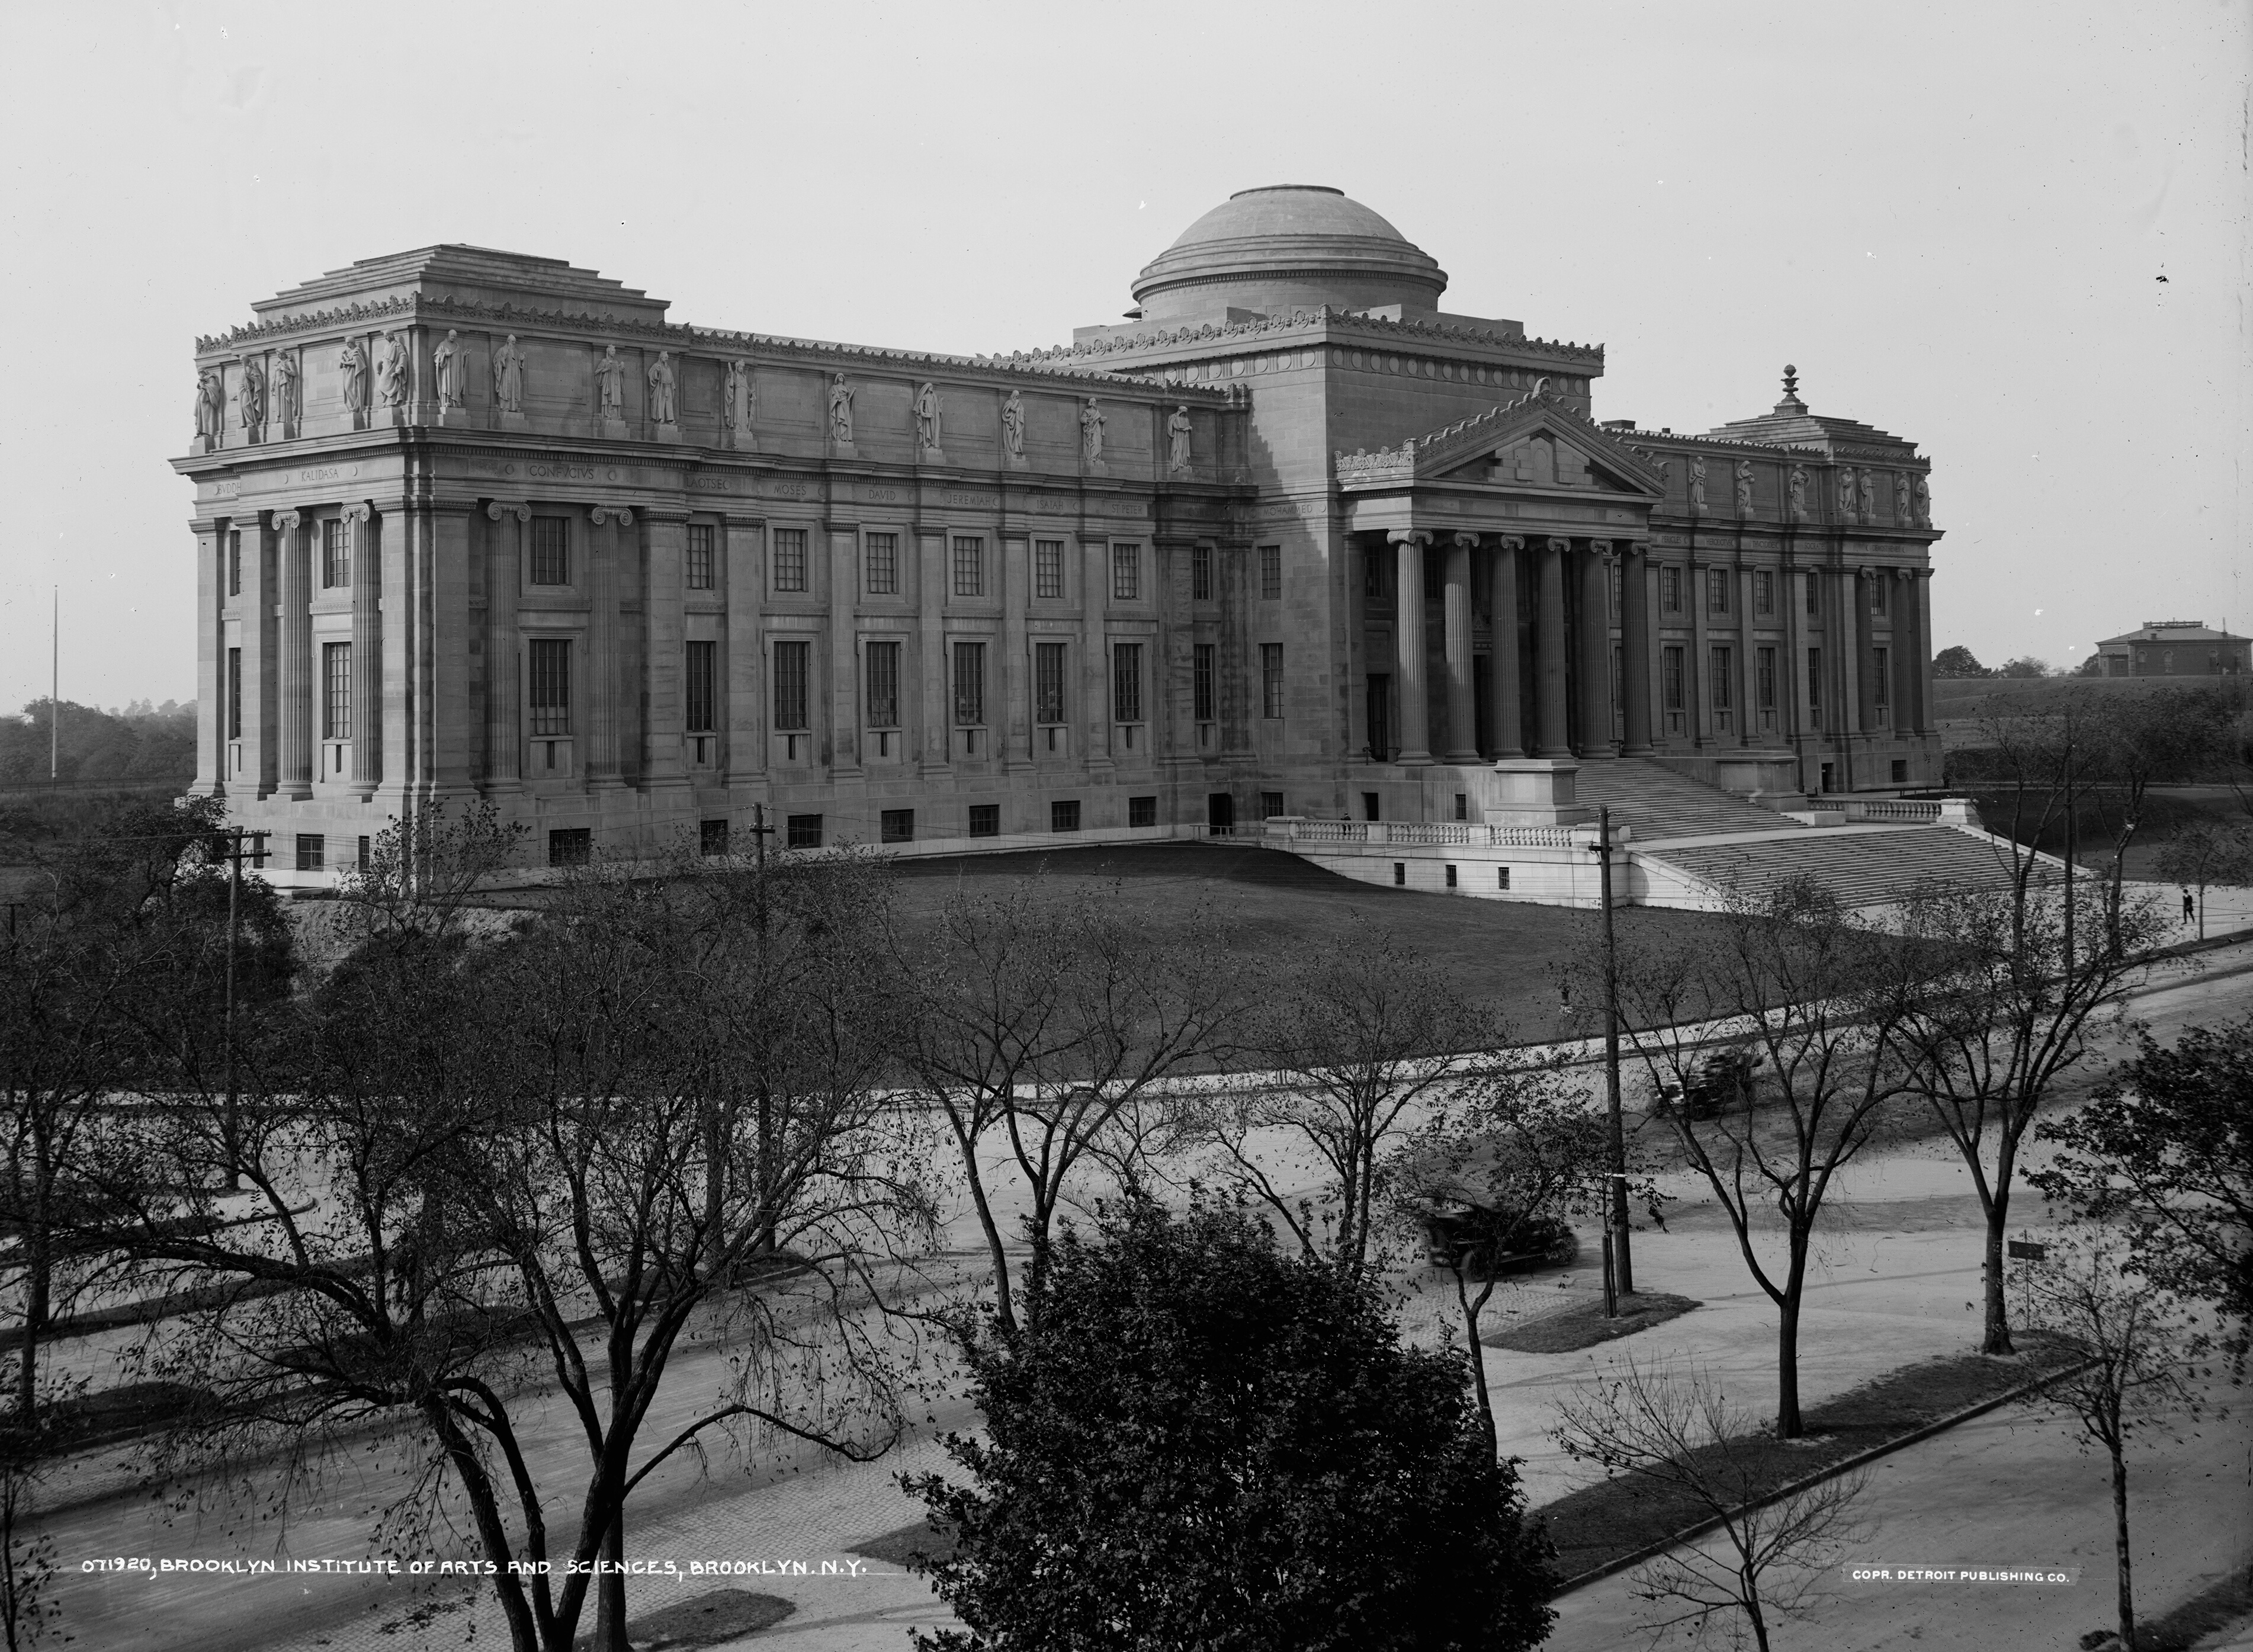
<point x="1003" y="1310"/>
<point x="38" y="1269"/>
<point x="1788" y="1423"/>
<point x="1996" y="1336"/>
<point x="2120" y="1549"/>
<point x="1748" y="1579"/>
<point x="1478" y="1361"/>
<point x="610" y="1589"/>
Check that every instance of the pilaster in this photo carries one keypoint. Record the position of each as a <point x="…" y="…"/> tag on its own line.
<point x="1015" y="662"/>
<point x="381" y="662"/>
<point x="664" y="631"/>
<point x="605" y="551"/>
<point x="844" y="650"/>
<point x="293" y="692"/>
<point x="1455" y="620"/>
<point x="746" y="578"/>
<point x="211" y="660"/>
<point x="254" y="610"/>
<point x="507" y="525"/>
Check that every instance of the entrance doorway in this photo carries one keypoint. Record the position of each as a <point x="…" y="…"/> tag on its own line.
<point x="1220" y="813"/>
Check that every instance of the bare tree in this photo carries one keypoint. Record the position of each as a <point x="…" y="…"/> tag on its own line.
<point x="1821" y="1003"/>
<point x="2006" y="1016"/>
<point x="2205" y="852"/>
<point x="1677" y="1433"/>
<point x="1052" y="1019"/>
<point x="654" y="1109"/>
<point x="1360" y="1038"/>
<point x="2140" y="1345"/>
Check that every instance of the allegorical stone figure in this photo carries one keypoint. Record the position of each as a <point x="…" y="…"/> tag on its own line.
<point x="285" y="386"/>
<point x="207" y="404"/>
<point x="1012" y="424"/>
<point x="1869" y="500"/>
<point x="508" y="376"/>
<point x="1901" y="497"/>
<point x="1177" y="440"/>
<point x="741" y="402"/>
<point x="1923" y="490"/>
<point x="610" y="383"/>
<point x="1698" y="482"/>
<point x="661" y="385"/>
<point x="445" y="370"/>
<point x="1744" y="487"/>
<point x="840" y="410"/>
<point x="926" y="415"/>
<point x="1798" y="493"/>
<point x="1091" y="431"/>
<point x="1847" y="495"/>
<point x="391" y="371"/>
<point x="251" y="402"/>
<point x="352" y="362"/>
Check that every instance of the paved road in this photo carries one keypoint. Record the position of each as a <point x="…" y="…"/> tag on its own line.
<point x="1896" y="1279"/>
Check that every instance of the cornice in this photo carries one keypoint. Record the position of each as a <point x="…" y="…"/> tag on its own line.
<point x="1342" y="321"/>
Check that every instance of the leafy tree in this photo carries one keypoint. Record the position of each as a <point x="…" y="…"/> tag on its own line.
<point x="2024" y="666"/>
<point x="1678" y="1431"/>
<point x="1824" y="1002"/>
<point x="2140" y="1347"/>
<point x="2166" y="1146"/>
<point x="1200" y="1442"/>
<point x="2205" y="852"/>
<point x="1957" y="661"/>
<point x="1356" y="1038"/>
<point x="2005" y="1017"/>
<point x="2092" y="666"/>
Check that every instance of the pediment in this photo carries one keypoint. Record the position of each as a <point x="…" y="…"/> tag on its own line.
<point x="1536" y="441"/>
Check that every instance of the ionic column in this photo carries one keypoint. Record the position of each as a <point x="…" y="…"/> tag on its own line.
<point x="934" y="721"/>
<point x="294" y="693"/>
<point x="254" y="610"/>
<point x="448" y="733"/>
<point x="1408" y="644"/>
<point x="211" y="659"/>
<point x="1463" y="705"/>
<point x="1094" y="652"/>
<point x="1697" y="668"/>
<point x="1748" y="674"/>
<point x="1596" y="650"/>
<point x="745" y="744"/>
<point x="503" y="666"/>
<point x="1635" y="649"/>
<point x="1235" y="686"/>
<point x="1015" y="661"/>
<point x="1859" y="632"/>
<point x="844" y="649"/>
<point x="368" y="639"/>
<point x="664" y="629"/>
<point x="1550" y="683"/>
<point x="602" y="697"/>
<point x="1505" y="710"/>
<point x="1919" y="598"/>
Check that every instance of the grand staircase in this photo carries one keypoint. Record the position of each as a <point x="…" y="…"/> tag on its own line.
<point x="1657" y="803"/>
<point x="1860" y="868"/>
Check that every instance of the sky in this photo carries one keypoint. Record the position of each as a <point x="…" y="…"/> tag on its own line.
<point x="2018" y="233"/>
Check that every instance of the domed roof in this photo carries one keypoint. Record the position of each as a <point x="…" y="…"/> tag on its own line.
<point x="1289" y="246"/>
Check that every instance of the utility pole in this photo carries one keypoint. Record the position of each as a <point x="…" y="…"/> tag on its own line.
<point x="55" y="689"/>
<point x="770" y="1231"/>
<point x="231" y="1125"/>
<point x="1615" y="1221"/>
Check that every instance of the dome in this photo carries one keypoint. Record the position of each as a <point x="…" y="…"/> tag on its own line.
<point x="1289" y="246"/>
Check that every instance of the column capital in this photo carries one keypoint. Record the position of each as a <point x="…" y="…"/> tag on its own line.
<point x="618" y="513"/>
<point x="1556" y="545"/>
<point x="285" y="522"/>
<point x="1408" y="536"/>
<point x="1513" y="541"/>
<point x="357" y="511"/>
<point x="1468" y="541"/>
<point x="1636" y="548"/>
<point x="1599" y="548"/>
<point x="496" y="509"/>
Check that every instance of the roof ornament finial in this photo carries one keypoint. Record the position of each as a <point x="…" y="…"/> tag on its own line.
<point x="1791" y="403"/>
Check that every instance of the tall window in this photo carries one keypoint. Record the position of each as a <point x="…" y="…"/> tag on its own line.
<point x="1047" y="682"/>
<point x="336" y="555"/>
<point x="969" y="566"/>
<point x="1720" y="665"/>
<point x="1271" y="679"/>
<point x="1815" y="593"/>
<point x="336" y="691"/>
<point x="1204" y="666"/>
<point x="1669" y="589"/>
<point x="790" y="561"/>
<point x="551" y="686"/>
<point x="969" y="684"/>
<point x="1671" y="674"/>
<point x="1126" y="573"/>
<point x="1764" y="664"/>
<point x="1127" y="682"/>
<point x="1814" y="679"/>
<point x="234" y="694"/>
<point x="1878" y="593"/>
<point x="234" y="565"/>
<point x="1271" y="571"/>
<point x="1048" y="567"/>
<point x="700" y="556"/>
<point x="1717" y="590"/>
<point x="790" y="677"/>
<point x="884" y="564"/>
<point x="1764" y="591"/>
<point x="1201" y="574"/>
<point x="883" y="685"/>
<point x="701" y="690"/>
<point x="1881" y="674"/>
<point x="551" y="551"/>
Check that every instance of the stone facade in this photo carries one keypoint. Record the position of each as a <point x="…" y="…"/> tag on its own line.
<point x="1288" y="540"/>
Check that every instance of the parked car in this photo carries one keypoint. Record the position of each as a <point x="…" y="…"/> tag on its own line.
<point x="1716" y="1081"/>
<point x="1488" y="1242"/>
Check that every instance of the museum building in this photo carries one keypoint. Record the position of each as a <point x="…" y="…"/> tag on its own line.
<point x="1290" y="540"/>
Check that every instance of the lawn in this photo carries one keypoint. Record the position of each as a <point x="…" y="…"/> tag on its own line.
<point x="1267" y="905"/>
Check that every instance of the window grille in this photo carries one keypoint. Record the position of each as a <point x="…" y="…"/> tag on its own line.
<point x="712" y="837"/>
<point x="969" y="685"/>
<point x="551" y="551"/>
<point x="1204" y="668"/>
<point x="802" y="831"/>
<point x="1047" y="568"/>
<point x="234" y="694"/>
<point x="1669" y="589"/>
<point x="985" y="820"/>
<point x="1815" y="679"/>
<point x="234" y="565"/>
<point x="790" y="559"/>
<point x="1142" y="812"/>
<point x="1815" y="593"/>
<point x="969" y="567"/>
<point x="570" y="847"/>
<point x="1271" y="679"/>
<point x="1765" y="667"/>
<point x="336" y="691"/>
<point x="1126" y="573"/>
<point x="336" y="555"/>
<point x="1047" y="682"/>
<point x="312" y="852"/>
<point x="1201" y="574"/>
<point x="1671" y="675"/>
<point x="1271" y="572"/>
<point x="790" y="684"/>
<point x="1127" y="682"/>
<point x="701" y="690"/>
<point x="883" y="562"/>
<point x="1063" y="817"/>
<point x="1717" y="590"/>
<point x="897" y="825"/>
<point x="1271" y="804"/>
<point x="883" y="685"/>
<point x="1720" y="665"/>
<point x="1764" y="591"/>
<point x="551" y="686"/>
<point x="700" y="556"/>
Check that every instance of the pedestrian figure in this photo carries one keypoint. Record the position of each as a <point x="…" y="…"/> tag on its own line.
<point x="2190" y="908"/>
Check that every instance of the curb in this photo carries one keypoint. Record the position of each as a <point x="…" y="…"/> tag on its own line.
<point x="1844" y="1464"/>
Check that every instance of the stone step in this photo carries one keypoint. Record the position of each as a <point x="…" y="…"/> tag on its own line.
<point x="1859" y="868"/>
<point x="1657" y="803"/>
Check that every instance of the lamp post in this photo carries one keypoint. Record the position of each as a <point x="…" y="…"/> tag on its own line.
<point x="1615" y="1222"/>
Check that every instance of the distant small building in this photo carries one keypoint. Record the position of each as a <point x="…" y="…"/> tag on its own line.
<point x="2175" y="648"/>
